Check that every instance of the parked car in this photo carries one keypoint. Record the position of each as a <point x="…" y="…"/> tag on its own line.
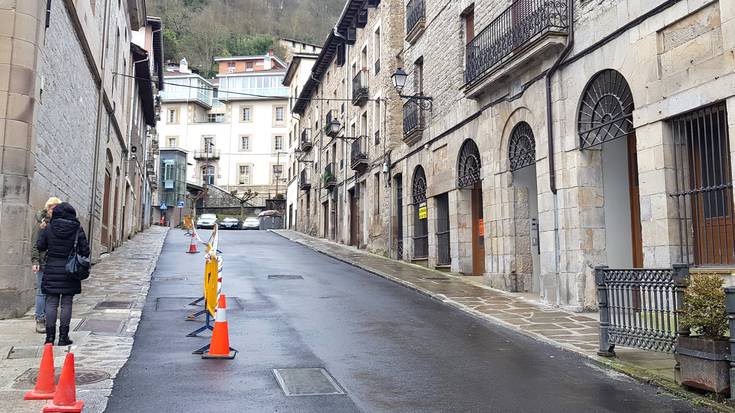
<point x="206" y="221"/>
<point x="230" y="223"/>
<point x="251" y="223"/>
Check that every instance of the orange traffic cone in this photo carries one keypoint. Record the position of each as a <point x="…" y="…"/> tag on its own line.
<point x="193" y="247"/>
<point x="219" y="347"/>
<point x="45" y="383"/>
<point x="65" y="399"/>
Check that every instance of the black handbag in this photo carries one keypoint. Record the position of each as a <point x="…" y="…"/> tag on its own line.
<point x="77" y="266"/>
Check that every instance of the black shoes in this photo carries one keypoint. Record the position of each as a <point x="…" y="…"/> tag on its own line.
<point x="64" y="336"/>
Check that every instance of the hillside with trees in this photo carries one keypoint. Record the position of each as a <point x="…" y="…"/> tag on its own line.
<point x="202" y="29"/>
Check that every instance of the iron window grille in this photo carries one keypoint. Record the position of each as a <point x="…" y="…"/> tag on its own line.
<point x="704" y="192"/>
<point x="468" y="165"/>
<point x="413" y="118"/>
<point x="606" y="110"/>
<point x="421" y="226"/>
<point x="522" y="147"/>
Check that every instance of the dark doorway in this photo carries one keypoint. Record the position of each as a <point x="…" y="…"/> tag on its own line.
<point x="478" y="232"/>
<point x="443" y="253"/>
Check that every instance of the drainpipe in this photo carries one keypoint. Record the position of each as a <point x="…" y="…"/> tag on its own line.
<point x="550" y="135"/>
<point x="98" y="127"/>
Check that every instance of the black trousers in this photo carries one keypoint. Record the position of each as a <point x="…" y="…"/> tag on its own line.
<point x="52" y="305"/>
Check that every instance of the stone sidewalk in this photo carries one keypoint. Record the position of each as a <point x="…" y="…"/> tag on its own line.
<point x="578" y="332"/>
<point x="105" y="318"/>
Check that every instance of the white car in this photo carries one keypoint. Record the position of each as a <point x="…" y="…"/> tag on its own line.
<point x="206" y="221"/>
<point x="251" y="223"/>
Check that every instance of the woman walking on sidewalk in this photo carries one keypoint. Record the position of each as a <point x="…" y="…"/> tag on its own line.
<point x="42" y="219"/>
<point x="58" y="240"/>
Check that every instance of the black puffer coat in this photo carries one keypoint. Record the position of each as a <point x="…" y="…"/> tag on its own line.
<point x="58" y="240"/>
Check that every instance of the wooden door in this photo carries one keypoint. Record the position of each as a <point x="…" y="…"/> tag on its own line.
<point x="712" y="209"/>
<point x="635" y="205"/>
<point x="478" y="232"/>
<point x="106" y="211"/>
<point x="354" y="218"/>
<point x="399" y="218"/>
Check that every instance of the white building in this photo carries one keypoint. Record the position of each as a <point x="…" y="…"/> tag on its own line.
<point x="234" y="127"/>
<point x="299" y="139"/>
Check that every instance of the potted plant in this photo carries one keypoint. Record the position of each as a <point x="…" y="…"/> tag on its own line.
<point x="702" y="356"/>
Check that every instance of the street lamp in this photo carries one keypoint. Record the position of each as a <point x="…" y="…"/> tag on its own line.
<point x="399" y="82"/>
<point x="334" y="127"/>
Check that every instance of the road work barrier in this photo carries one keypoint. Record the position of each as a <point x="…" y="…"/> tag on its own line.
<point x="212" y="284"/>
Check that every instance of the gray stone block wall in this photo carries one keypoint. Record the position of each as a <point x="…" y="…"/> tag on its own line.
<point x="67" y="115"/>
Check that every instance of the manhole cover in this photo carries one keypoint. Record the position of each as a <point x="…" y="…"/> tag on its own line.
<point x="285" y="277"/>
<point x="83" y="376"/>
<point x="113" y="305"/>
<point x="183" y="304"/>
<point x="100" y="326"/>
<point x="307" y="382"/>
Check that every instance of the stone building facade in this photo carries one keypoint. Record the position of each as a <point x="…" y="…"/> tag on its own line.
<point x="65" y="110"/>
<point x="349" y="117"/>
<point x="564" y="135"/>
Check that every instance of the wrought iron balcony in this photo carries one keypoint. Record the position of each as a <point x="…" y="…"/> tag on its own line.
<point x="207" y="154"/>
<point x="358" y="154"/>
<point x="329" y="179"/>
<point x="305" y="180"/>
<point x="305" y="142"/>
<point x="413" y="121"/>
<point x="415" y="19"/>
<point x="360" y="90"/>
<point x="522" y="25"/>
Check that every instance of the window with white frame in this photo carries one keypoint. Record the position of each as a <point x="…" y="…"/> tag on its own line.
<point x="215" y="117"/>
<point x="278" y="143"/>
<point x="208" y="175"/>
<point x="247" y="114"/>
<point x="277" y="171"/>
<point x="245" y="174"/>
<point x="279" y="113"/>
<point x="244" y="143"/>
<point x="173" y="116"/>
<point x="173" y="141"/>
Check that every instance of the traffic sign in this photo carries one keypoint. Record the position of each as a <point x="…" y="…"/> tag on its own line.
<point x="181" y="204"/>
<point x="163" y="206"/>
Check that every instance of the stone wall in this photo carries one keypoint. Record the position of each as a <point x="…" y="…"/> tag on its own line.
<point x="21" y="38"/>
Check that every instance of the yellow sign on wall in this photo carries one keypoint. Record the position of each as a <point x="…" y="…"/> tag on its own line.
<point x="423" y="211"/>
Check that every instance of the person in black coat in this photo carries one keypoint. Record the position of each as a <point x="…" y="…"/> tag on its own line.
<point x="57" y="239"/>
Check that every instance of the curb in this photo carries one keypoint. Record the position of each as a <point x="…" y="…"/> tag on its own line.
<point x="633" y="372"/>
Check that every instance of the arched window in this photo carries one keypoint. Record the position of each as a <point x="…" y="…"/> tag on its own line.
<point x="606" y="110"/>
<point x="521" y="147"/>
<point x="420" y="214"/>
<point x="208" y="175"/>
<point x="468" y="165"/>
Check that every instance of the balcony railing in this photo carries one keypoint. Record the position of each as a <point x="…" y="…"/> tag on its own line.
<point x="413" y="121"/>
<point x="415" y="18"/>
<point x="329" y="178"/>
<point x="360" y="88"/>
<point x="358" y="154"/>
<point x="305" y="180"/>
<point x="305" y="143"/>
<point x="207" y="154"/>
<point x="517" y="27"/>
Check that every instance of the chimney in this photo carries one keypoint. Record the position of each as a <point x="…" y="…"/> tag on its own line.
<point x="184" y="66"/>
<point x="267" y="61"/>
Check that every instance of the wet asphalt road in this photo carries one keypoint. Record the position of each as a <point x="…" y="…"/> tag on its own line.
<point x="390" y="348"/>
